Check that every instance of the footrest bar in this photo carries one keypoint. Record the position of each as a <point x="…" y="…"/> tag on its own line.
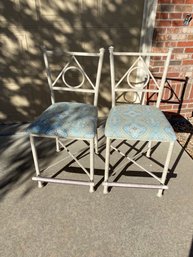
<point x="62" y="181"/>
<point x="109" y="184"/>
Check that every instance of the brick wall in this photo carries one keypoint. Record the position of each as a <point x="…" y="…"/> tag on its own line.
<point x="169" y="31"/>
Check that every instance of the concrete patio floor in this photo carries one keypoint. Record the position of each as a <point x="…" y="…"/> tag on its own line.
<point x="62" y="220"/>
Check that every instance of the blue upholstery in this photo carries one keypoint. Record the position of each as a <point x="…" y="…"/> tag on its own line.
<point x="73" y="120"/>
<point x="138" y="122"/>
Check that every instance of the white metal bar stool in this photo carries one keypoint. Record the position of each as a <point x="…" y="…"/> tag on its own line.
<point x="69" y="120"/>
<point x="138" y="121"/>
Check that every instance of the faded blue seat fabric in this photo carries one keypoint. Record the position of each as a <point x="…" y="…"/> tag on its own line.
<point x="138" y="122"/>
<point x="73" y="120"/>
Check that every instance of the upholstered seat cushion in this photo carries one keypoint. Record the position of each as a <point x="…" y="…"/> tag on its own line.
<point x="73" y="120"/>
<point x="138" y="122"/>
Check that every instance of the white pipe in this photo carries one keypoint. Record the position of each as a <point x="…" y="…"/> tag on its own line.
<point x="62" y="181"/>
<point x="116" y="184"/>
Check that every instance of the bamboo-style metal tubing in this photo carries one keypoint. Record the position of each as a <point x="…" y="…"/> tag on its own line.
<point x="166" y="166"/>
<point x="57" y="145"/>
<point x="63" y="181"/>
<point x="96" y="144"/>
<point x="53" y="88"/>
<point x="48" y="74"/>
<point x="149" y="149"/>
<point x="108" y="142"/>
<point x="148" y="186"/>
<point x="98" y="77"/>
<point x="77" y="89"/>
<point x="35" y="158"/>
<point x="142" y="91"/>
<point x="91" y="165"/>
<point x="112" y="71"/>
<point x="60" y="74"/>
<point x="75" y="53"/>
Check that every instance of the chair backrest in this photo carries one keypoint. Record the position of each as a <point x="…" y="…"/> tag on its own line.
<point x="73" y="64"/>
<point x="145" y="75"/>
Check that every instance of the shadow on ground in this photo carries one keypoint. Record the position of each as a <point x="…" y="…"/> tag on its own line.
<point x="184" y="131"/>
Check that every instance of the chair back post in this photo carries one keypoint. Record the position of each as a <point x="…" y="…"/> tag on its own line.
<point x="112" y="71"/>
<point x="98" y="77"/>
<point x="163" y="80"/>
<point x="48" y="74"/>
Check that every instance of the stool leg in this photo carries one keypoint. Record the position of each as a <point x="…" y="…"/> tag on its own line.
<point x="57" y="145"/>
<point x="91" y="165"/>
<point x="96" y="143"/>
<point x="35" y="158"/>
<point x="149" y="149"/>
<point x="107" y="159"/>
<point x="165" y="170"/>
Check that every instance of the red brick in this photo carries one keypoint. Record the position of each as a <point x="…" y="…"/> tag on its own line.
<point x="175" y="15"/>
<point x="165" y="8"/>
<point x="187" y="62"/>
<point x="177" y="63"/>
<point x="174" y="111"/>
<point x="189" y="50"/>
<point x="190" y="105"/>
<point x="175" y="106"/>
<point x="170" y="44"/>
<point x="189" y="1"/>
<point x="167" y="107"/>
<point x="191" y="93"/>
<point x="186" y="101"/>
<point x="182" y="8"/>
<point x="177" y="23"/>
<point x="166" y="94"/>
<point x="184" y="106"/>
<point x="161" y="30"/>
<point x="173" y="57"/>
<point x="164" y="1"/>
<point x="173" y="30"/>
<point x="156" y="58"/>
<point x="178" y="50"/>
<point x="173" y="74"/>
<point x="162" y="15"/>
<point x="161" y="37"/>
<point x="159" y="50"/>
<point x="185" y="43"/>
<point x="178" y="1"/>
<point x="185" y="111"/>
<point x="159" y="45"/>
<point x="163" y="23"/>
<point x="188" y="92"/>
<point x="178" y="90"/>
<point x="155" y="69"/>
<point x="190" y="37"/>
